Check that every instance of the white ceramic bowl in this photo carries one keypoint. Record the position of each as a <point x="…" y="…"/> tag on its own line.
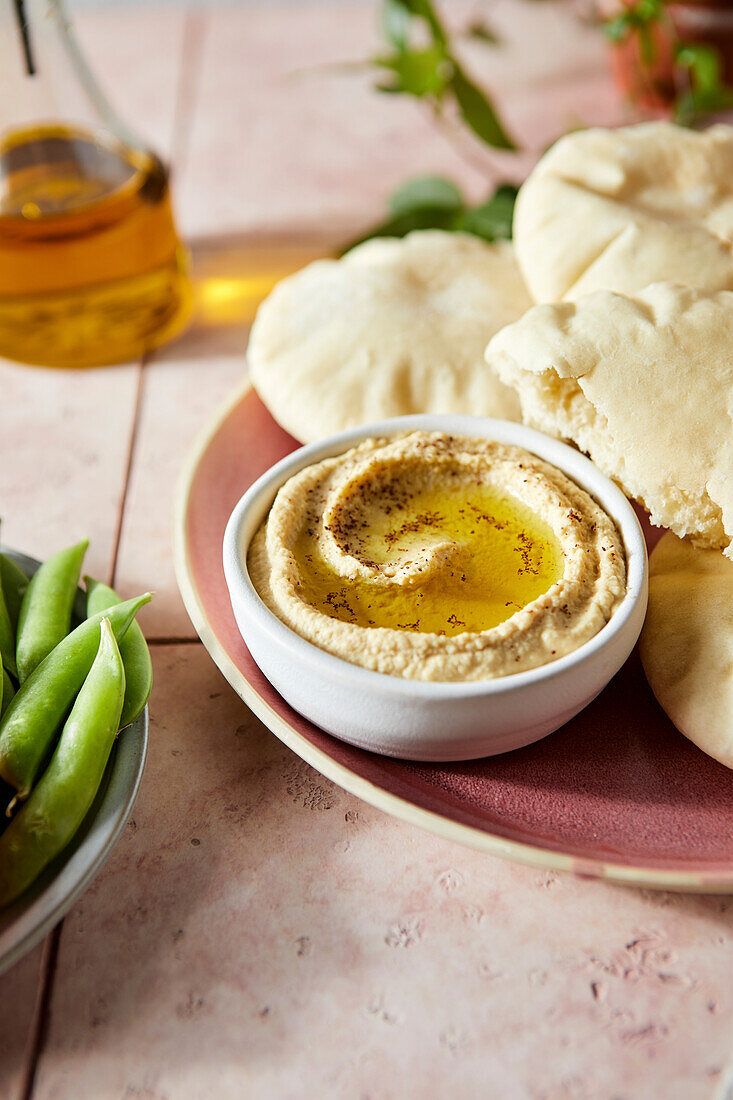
<point x="420" y="720"/>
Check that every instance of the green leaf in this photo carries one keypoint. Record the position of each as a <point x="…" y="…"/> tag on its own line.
<point x="637" y="17"/>
<point x="396" y="20"/>
<point x="708" y="93"/>
<point x="482" y="32"/>
<point x="703" y="63"/>
<point x="694" y="105"/>
<point x="650" y="11"/>
<point x="492" y="220"/>
<point x="617" y="28"/>
<point x="417" y="72"/>
<point x="425" y="193"/>
<point x="426" y="218"/>
<point x="478" y="112"/>
<point x="425" y="10"/>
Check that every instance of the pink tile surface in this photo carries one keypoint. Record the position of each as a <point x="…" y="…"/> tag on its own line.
<point x="137" y="54"/>
<point x="258" y="931"/>
<point x="258" y="928"/>
<point x="65" y="438"/>
<point x="280" y="140"/>
<point x="66" y="435"/>
<point x="178" y="396"/>
<point x="18" y="992"/>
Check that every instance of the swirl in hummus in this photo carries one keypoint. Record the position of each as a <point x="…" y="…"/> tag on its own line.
<point x="437" y="557"/>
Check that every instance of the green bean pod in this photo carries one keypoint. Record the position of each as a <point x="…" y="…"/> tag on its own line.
<point x="61" y="799"/>
<point x="36" y="711"/>
<point x="14" y="583"/>
<point x="133" y="648"/>
<point x="45" y="614"/>
<point x="8" y="691"/>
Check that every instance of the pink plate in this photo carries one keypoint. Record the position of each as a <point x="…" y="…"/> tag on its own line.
<point x="617" y="792"/>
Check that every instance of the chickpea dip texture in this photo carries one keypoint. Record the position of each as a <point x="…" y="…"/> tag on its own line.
<point x="437" y="557"/>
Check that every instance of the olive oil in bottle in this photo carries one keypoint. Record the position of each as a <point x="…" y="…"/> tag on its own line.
<point x="91" y="267"/>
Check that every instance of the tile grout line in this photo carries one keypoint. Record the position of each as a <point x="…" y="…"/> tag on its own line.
<point x="187" y="85"/>
<point x="182" y="112"/>
<point x="192" y="53"/>
<point x="128" y="470"/>
<point x="185" y="95"/>
<point x="42" y="1011"/>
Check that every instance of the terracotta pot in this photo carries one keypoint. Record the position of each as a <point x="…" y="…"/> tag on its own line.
<point x="652" y="85"/>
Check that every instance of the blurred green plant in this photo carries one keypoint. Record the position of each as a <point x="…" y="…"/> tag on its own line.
<point x="431" y="202"/>
<point x="637" y="19"/>
<point x="421" y="61"/>
<point x="708" y="93"/>
<point x="699" y="87"/>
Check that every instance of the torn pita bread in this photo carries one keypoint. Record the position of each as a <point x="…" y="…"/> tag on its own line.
<point x="620" y="209"/>
<point x="394" y="327"/>
<point x="687" y="643"/>
<point x="644" y="385"/>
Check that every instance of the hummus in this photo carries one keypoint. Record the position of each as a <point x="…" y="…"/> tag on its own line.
<point x="437" y="557"/>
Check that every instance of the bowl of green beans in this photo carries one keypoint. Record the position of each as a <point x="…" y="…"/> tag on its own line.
<point x="74" y="682"/>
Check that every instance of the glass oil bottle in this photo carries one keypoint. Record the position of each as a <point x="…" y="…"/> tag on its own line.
<point x="91" y="267"/>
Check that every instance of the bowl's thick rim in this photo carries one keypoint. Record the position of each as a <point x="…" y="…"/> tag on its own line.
<point x="43" y="905"/>
<point x="260" y="495"/>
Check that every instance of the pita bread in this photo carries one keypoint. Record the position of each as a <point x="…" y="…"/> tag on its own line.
<point x="687" y="643"/>
<point x="620" y="209"/>
<point x="644" y="385"/>
<point x="395" y="327"/>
